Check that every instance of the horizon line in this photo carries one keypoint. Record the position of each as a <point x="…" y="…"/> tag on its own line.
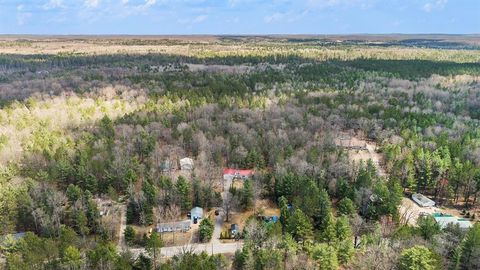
<point x="247" y="35"/>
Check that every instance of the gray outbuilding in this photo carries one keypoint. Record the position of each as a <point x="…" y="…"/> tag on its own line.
<point x="196" y="213"/>
<point x="178" y="226"/>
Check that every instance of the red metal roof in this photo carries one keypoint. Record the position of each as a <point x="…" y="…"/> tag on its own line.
<point x="444" y="182"/>
<point x="238" y="172"/>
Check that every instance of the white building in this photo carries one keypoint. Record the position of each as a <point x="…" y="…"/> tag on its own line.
<point x="186" y="164"/>
<point x="196" y="213"/>
<point x="422" y="200"/>
<point x="443" y="220"/>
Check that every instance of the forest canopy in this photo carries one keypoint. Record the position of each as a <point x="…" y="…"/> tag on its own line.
<point x="83" y="132"/>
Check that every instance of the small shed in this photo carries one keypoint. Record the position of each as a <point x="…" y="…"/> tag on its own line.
<point x="179" y="226"/>
<point x="196" y="213"/>
<point x="186" y="164"/>
<point x="166" y="166"/>
<point x="443" y="220"/>
<point x="422" y="200"/>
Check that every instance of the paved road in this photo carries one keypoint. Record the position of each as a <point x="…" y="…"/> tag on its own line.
<point x="210" y="248"/>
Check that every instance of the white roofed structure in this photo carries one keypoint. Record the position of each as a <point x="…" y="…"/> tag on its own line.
<point x="196" y="213"/>
<point x="422" y="200"/>
<point x="179" y="226"/>
<point x="186" y="164"/>
<point x="444" y="220"/>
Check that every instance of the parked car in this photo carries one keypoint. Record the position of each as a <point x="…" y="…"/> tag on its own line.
<point x="233" y="229"/>
<point x="217" y="212"/>
<point x="195" y="220"/>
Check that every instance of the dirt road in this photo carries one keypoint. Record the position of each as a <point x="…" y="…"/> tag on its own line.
<point x="123" y="224"/>
<point x="375" y="157"/>
<point x="220" y="219"/>
<point x="210" y="248"/>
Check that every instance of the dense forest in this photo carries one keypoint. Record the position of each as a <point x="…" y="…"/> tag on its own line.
<point x="81" y="128"/>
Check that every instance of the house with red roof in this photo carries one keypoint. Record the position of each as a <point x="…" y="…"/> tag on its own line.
<point x="229" y="174"/>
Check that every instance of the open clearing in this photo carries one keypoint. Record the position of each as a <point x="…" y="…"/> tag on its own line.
<point x="361" y="150"/>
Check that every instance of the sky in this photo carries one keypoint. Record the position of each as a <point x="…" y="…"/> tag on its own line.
<point x="166" y="17"/>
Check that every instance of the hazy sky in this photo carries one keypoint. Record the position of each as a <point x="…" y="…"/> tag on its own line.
<point x="238" y="16"/>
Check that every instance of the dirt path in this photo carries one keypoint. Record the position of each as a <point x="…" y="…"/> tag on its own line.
<point x="210" y="248"/>
<point x="377" y="158"/>
<point x="123" y="224"/>
<point x="220" y="219"/>
<point x="218" y="228"/>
